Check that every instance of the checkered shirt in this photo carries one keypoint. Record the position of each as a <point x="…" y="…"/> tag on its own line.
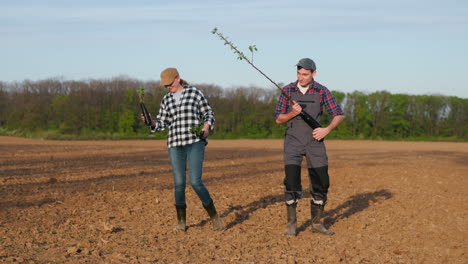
<point x="327" y="100"/>
<point x="192" y="109"/>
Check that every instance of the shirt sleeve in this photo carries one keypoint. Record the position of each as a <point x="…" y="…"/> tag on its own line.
<point x="163" y="119"/>
<point x="282" y="106"/>
<point x="207" y="113"/>
<point x="330" y="104"/>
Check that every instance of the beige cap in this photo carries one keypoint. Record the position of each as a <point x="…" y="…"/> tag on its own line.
<point x="168" y="76"/>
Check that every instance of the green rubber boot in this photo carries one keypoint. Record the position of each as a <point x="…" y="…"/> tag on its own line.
<point x="181" y="219"/>
<point x="216" y="221"/>
<point x="291" y="226"/>
<point x="316" y="211"/>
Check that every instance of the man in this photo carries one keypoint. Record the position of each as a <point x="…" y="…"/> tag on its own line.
<point x="300" y="140"/>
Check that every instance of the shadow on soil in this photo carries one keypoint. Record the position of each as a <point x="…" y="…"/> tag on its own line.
<point x="242" y="212"/>
<point x="25" y="204"/>
<point x="353" y="205"/>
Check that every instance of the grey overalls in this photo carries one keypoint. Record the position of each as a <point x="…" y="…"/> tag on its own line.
<point x="299" y="143"/>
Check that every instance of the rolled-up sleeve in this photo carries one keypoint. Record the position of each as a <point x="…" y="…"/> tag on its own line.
<point x="163" y="119"/>
<point x="330" y="104"/>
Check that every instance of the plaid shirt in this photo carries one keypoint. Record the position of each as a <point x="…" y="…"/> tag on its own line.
<point x="327" y="100"/>
<point x="192" y="109"/>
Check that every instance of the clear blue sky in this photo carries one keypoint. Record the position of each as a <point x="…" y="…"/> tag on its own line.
<point x="402" y="46"/>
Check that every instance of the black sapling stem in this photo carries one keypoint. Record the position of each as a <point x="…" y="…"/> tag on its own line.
<point x="145" y="114"/>
<point x="144" y="111"/>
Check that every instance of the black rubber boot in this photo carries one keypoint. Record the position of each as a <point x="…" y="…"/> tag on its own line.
<point x="291" y="226"/>
<point x="216" y="221"/>
<point x="181" y="219"/>
<point x="316" y="211"/>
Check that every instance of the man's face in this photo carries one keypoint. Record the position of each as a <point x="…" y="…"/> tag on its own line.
<point x="305" y="76"/>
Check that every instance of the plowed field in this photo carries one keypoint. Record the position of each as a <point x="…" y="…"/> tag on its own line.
<point x="112" y="202"/>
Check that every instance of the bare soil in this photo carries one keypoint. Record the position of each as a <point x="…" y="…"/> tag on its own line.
<point x="112" y="202"/>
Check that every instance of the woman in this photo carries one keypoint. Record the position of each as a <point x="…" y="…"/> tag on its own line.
<point x="182" y="108"/>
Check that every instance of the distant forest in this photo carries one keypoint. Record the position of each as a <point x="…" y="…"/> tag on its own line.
<point x="109" y="108"/>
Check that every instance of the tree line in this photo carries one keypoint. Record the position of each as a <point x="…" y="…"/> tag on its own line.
<point x="109" y="108"/>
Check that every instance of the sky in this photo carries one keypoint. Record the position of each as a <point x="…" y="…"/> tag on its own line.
<point x="400" y="46"/>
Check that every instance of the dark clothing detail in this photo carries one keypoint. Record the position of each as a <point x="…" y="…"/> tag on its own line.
<point x="292" y="181"/>
<point x="292" y="184"/>
<point x="319" y="183"/>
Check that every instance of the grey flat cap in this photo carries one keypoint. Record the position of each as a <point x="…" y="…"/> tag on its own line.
<point x="307" y="64"/>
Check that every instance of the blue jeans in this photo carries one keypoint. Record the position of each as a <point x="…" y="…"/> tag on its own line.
<point x="194" y="154"/>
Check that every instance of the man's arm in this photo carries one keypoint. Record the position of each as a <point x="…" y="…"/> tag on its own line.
<point x="321" y="132"/>
<point x="283" y="118"/>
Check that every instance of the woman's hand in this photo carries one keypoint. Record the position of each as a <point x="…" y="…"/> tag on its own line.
<point x="206" y="130"/>
<point x="142" y="117"/>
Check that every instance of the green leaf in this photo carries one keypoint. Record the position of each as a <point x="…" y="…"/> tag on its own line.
<point x="197" y="130"/>
<point x="141" y="93"/>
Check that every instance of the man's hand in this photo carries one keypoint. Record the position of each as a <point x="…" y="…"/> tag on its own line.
<point x="296" y="109"/>
<point x="283" y="118"/>
<point x="320" y="133"/>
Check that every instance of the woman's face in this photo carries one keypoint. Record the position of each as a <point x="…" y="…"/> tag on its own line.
<point x="174" y="86"/>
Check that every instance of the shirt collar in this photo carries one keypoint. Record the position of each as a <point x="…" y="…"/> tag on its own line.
<point x="312" y="85"/>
